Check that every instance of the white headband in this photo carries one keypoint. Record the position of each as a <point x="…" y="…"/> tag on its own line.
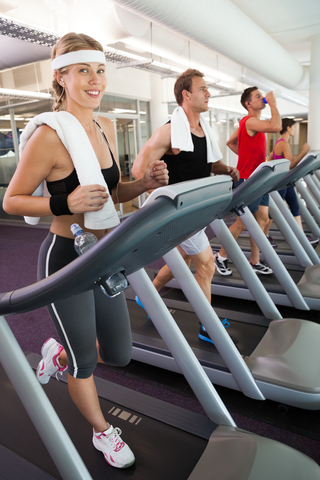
<point x="80" y="56"/>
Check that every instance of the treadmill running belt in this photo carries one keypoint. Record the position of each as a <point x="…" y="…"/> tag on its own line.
<point x="245" y="336"/>
<point x="158" y="447"/>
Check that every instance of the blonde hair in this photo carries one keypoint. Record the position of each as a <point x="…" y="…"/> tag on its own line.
<point x="71" y="42"/>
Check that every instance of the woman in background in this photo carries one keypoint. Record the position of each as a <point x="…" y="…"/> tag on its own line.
<point x="282" y="150"/>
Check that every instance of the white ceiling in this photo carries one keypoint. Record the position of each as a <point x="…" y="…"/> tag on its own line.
<point x="291" y="23"/>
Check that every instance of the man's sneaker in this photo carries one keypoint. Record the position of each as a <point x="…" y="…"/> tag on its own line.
<point x="261" y="268"/>
<point x="49" y="364"/>
<point x="222" y="266"/>
<point x="137" y="299"/>
<point x="203" y="334"/>
<point x="116" y="452"/>
<point x="273" y="243"/>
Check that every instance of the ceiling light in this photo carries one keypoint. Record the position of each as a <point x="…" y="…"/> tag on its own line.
<point x="7" y="117"/>
<point x="10" y="93"/>
<point x="297" y="119"/>
<point x="210" y="80"/>
<point x="118" y="56"/>
<point x="224" y="84"/>
<point x="123" y="110"/>
<point x="160" y="65"/>
<point x="176" y="69"/>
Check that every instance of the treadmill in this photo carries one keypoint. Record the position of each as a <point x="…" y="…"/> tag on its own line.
<point x="295" y="255"/>
<point x="151" y="232"/>
<point x="282" y="354"/>
<point x="309" y="191"/>
<point x="300" y="289"/>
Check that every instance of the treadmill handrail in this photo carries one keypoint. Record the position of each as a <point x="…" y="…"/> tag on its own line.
<point x="252" y="188"/>
<point x="307" y="165"/>
<point x="172" y="191"/>
<point x="145" y="236"/>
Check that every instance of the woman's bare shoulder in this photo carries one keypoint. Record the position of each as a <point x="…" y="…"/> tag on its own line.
<point x="45" y="135"/>
<point x="105" y="123"/>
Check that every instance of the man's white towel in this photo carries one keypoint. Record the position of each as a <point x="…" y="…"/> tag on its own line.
<point x="76" y="141"/>
<point x="181" y="135"/>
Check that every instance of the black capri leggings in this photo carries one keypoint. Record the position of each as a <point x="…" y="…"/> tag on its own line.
<point x="290" y="196"/>
<point x="82" y="318"/>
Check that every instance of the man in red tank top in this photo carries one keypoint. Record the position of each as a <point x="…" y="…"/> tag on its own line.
<point x="249" y="143"/>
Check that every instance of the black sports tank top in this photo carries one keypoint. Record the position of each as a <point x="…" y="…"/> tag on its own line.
<point x="189" y="165"/>
<point x="71" y="182"/>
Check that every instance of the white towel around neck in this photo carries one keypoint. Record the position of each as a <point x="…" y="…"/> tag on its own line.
<point x="181" y="135"/>
<point x="76" y="141"/>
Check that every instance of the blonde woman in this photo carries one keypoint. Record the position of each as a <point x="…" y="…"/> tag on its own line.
<point x="78" y="64"/>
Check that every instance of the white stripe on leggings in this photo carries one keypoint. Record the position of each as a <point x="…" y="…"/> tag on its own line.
<point x="55" y="310"/>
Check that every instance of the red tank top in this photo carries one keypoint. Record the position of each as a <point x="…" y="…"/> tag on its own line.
<point x="252" y="150"/>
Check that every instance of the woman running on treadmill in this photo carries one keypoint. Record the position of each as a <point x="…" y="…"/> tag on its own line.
<point x="92" y="327"/>
<point x="282" y="150"/>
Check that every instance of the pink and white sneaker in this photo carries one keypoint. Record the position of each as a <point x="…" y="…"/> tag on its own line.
<point x="116" y="452"/>
<point x="49" y="365"/>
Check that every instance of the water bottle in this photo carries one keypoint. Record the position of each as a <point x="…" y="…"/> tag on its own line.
<point x="83" y="240"/>
<point x="111" y="286"/>
<point x="276" y="93"/>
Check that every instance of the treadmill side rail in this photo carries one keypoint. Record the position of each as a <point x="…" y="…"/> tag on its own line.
<point x="287" y="224"/>
<point x="250" y="278"/>
<point x="211" y="321"/>
<point x="308" y="218"/>
<point x="312" y="187"/>
<point x="180" y="349"/>
<point x="39" y="408"/>
<point x="311" y="204"/>
<point x="273" y="260"/>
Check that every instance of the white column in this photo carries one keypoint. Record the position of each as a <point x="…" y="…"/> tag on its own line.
<point x="314" y="95"/>
<point x="158" y="108"/>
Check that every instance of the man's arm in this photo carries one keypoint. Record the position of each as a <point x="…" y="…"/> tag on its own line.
<point x="220" y="168"/>
<point x="233" y="142"/>
<point x="274" y="125"/>
<point x="154" y="149"/>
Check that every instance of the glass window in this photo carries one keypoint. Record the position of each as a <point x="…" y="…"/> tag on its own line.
<point x="145" y="127"/>
<point x="121" y="105"/>
<point x="8" y="161"/>
<point x="126" y="145"/>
